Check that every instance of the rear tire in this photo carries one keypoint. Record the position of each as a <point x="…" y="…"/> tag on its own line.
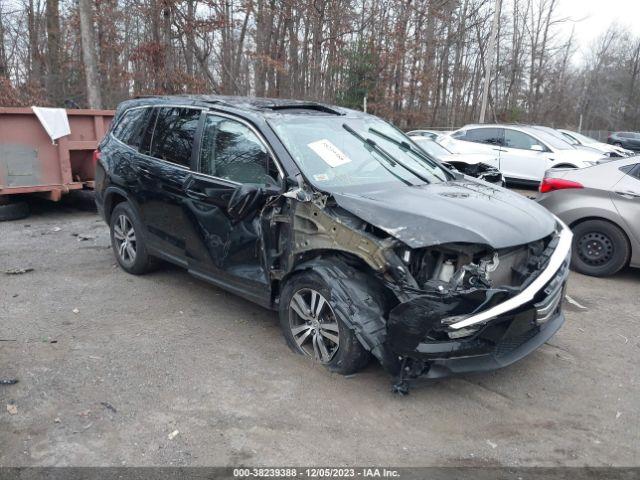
<point x="14" y="211"/>
<point x="599" y="249"/>
<point x="302" y="327"/>
<point x="128" y="242"/>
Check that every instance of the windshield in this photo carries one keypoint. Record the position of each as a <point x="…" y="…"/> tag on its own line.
<point x="581" y="138"/>
<point x="431" y="147"/>
<point x="342" y="151"/>
<point x="552" y="140"/>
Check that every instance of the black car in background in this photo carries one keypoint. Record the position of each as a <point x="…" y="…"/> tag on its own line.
<point x="630" y="140"/>
<point x="364" y="244"/>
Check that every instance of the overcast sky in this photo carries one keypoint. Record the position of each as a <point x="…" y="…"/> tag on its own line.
<point x="596" y="17"/>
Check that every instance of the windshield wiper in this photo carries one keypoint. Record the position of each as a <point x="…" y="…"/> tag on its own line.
<point x="406" y="146"/>
<point x="374" y="146"/>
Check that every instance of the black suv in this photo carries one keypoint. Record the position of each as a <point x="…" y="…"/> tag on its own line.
<point x="364" y="243"/>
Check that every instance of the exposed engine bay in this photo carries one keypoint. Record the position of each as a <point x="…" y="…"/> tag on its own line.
<point x="480" y="170"/>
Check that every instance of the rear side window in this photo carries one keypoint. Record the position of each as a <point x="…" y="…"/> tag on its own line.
<point x="128" y="130"/>
<point x="174" y="133"/>
<point x="231" y="150"/>
<point x="492" y="136"/>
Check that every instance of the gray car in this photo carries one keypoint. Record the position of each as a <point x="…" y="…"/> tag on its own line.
<point x="601" y="204"/>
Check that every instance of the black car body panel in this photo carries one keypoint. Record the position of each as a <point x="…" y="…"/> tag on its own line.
<point x="456" y="211"/>
<point x="399" y="241"/>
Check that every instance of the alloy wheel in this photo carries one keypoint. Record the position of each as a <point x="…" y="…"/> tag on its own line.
<point x="124" y="236"/>
<point x="314" y="325"/>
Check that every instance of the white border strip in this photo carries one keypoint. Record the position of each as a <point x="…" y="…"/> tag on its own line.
<point x="555" y="262"/>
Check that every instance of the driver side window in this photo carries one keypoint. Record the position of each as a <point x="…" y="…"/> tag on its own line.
<point x="230" y="150"/>
<point x="517" y="139"/>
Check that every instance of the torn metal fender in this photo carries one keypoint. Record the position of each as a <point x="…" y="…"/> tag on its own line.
<point x="315" y="228"/>
<point x="359" y="300"/>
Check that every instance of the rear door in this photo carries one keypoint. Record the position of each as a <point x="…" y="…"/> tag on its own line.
<point x="221" y="249"/>
<point x="626" y="198"/>
<point x="167" y="146"/>
<point x="521" y="158"/>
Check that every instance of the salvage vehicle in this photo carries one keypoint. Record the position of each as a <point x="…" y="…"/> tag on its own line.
<point x="605" y="148"/>
<point x="431" y="134"/>
<point x="478" y="165"/>
<point x="601" y="204"/>
<point x="364" y="244"/>
<point x="525" y="152"/>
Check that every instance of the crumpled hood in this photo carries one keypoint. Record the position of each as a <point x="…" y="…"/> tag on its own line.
<point x="470" y="158"/>
<point x="456" y="211"/>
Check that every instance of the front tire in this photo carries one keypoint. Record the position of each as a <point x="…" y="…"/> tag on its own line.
<point x="599" y="249"/>
<point x="313" y="327"/>
<point x="127" y="241"/>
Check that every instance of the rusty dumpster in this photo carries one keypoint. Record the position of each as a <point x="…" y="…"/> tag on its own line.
<point x="30" y="163"/>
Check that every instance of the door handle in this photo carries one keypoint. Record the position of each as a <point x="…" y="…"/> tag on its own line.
<point x="499" y="149"/>
<point x="195" y="194"/>
<point x="628" y="194"/>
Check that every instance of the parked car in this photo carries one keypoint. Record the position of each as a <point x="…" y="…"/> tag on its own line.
<point x="601" y="204"/>
<point x="525" y="153"/>
<point x="364" y="244"/>
<point x="478" y="165"/>
<point x="606" y="149"/>
<point x="431" y="134"/>
<point x="629" y="140"/>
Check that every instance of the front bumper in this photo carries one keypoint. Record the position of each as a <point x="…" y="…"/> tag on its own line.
<point x="509" y="349"/>
<point x="487" y="340"/>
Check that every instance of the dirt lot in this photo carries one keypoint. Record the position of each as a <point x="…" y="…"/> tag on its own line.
<point x="109" y="365"/>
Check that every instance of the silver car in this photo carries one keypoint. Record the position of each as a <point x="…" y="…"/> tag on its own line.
<point x="605" y="148"/>
<point x="601" y="204"/>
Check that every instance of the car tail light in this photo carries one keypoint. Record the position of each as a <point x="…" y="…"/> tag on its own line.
<point x="551" y="184"/>
<point x="96" y="156"/>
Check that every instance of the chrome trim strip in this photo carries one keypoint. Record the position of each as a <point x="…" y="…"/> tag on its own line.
<point x="555" y="262"/>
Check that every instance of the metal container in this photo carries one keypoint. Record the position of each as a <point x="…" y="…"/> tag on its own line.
<point x="31" y="163"/>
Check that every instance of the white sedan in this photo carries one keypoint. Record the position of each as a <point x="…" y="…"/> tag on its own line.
<point x="524" y="153"/>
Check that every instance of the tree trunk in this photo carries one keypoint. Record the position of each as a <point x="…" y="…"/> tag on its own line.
<point x="54" y="74"/>
<point x="89" y="54"/>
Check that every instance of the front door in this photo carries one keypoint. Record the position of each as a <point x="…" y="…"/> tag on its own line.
<point x="523" y="157"/>
<point x="220" y="247"/>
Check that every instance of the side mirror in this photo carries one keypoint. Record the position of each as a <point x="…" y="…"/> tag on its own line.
<point x="537" y="148"/>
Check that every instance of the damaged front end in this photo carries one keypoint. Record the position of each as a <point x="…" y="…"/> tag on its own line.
<point x="452" y="307"/>
<point x="477" y="308"/>
<point x="481" y="171"/>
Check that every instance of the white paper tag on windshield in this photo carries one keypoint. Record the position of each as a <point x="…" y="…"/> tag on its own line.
<point x="331" y="154"/>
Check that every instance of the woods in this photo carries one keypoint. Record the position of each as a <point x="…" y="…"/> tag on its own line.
<point x="418" y="62"/>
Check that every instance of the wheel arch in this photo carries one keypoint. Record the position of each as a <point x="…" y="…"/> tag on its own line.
<point x="309" y="259"/>
<point x="112" y="197"/>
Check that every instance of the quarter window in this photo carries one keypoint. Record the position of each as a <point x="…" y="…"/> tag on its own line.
<point x="174" y="133"/>
<point x="230" y="150"/>
<point x="128" y="129"/>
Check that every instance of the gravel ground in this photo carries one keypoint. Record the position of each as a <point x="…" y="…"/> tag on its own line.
<point x="164" y="369"/>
